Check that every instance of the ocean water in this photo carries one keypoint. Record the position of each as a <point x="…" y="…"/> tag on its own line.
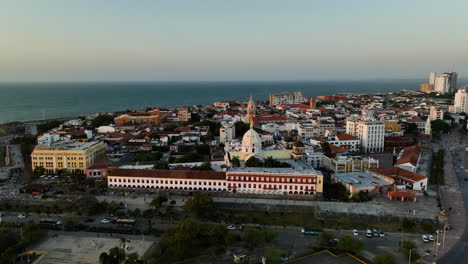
<point x="30" y="101"/>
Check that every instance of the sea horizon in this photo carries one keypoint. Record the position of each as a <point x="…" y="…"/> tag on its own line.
<point x="25" y="101"/>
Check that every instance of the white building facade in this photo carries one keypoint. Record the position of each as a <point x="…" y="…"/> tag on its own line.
<point x="461" y="101"/>
<point x="370" y="132"/>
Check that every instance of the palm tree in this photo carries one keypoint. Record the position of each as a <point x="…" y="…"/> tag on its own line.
<point x="116" y="255"/>
<point x="123" y="242"/>
<point x="104" y="258"/>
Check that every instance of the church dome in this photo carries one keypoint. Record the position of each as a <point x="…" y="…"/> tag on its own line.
<point x="251" y="142"/>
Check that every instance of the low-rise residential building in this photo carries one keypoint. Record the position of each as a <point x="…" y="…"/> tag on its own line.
<point x="287" y="98"/>
<point x="436" y="113"/>
<point x="184" y="115"/>
<point x="67" y="155"/>
<point x="403" y="179"/>
<point x="315" y="129"/>
<point x="152" y="117"/>
<point x="420" y="124"/>
<point x="345" y="164"/>
<point x="408" y="159"/>
<point x="356" y="182"/>
<point x="347" y="141"/>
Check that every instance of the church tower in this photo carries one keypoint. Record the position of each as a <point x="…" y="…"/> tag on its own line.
<point x="250" y="110"/>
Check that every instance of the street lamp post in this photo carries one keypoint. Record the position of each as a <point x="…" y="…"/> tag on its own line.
<point x="409" y="258"/>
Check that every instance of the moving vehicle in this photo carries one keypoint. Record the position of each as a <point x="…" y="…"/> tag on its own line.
<point x="126" y="222"/>
<point x="355" y="232"/>
<point x="311" y="231"/>
<point x="22" y="216"/>
<point x="425" y="238"/>
<point x="50" y="221"/>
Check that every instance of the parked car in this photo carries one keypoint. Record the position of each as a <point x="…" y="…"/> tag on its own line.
<point x="231" y="227"/>
<point x="105" y="221"/>
<point x="369" y="233"/>
<point x="425" y="238"/>
<point x="430" y="237"/>
<point x="381" y="233"/>
<point x="355" y="232"/>
<point x="375" y="233"/>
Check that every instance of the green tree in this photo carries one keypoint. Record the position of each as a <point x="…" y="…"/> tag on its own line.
<point x="133" y="258"/>
<point x="101" y="120"/>
<point x="344" y="223"/>
<point x="407" y="225"/>
<point x="201" y="206"/>
<point x="203" y="149"/>
<point x="439" y="126"/>
<point x="39" y="171"/>
<point x="151" y="156"/>
<point x="158" y="202"/>
<point x="349" y="244"/>
<point x="235" y="161"/>
<point x="241" y="127"/>
<point x="273" y="255"/>
<point x="205" y="166"/>
<point x="116" y="255"/>
<point x="325" y="240"/>
<point x="161" y="166"/>
<point x="408" y="248"/>
<point x="187" y="157"/>
<point x="253" y="162"/>
<point x="385" y="258"/>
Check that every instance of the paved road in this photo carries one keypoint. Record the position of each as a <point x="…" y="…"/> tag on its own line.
<point x="455" y="247"/>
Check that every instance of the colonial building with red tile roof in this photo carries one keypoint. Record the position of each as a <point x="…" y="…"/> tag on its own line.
<point x="409" y="157"/>
<point x="404" y="179"/>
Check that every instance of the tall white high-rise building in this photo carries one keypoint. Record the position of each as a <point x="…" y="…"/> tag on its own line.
<point x="446" y="83"/>
<point x="370" y="131"/>
<point x="227" y="132"/>
<point x="432" y="78"/>
<point x="441" y="84"/>
<point x="461" y="101"/>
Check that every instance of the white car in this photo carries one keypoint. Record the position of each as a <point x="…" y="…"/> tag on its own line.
<point x="355" y="232"/>
<point x="430" y="237"/>
<point x="369" y="233"/>
<point x="21" y="216"/>
<point x="381" y="233"/>
<point x="231" y="227"/>
<point x="425" y="238"/>
<point x="105" y="221"/>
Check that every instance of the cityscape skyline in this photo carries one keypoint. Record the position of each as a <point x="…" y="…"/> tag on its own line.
<point x="264" y="40"/>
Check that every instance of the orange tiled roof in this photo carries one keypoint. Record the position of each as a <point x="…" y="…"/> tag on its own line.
<point x="176" y="174"/>
<point x="346" y="136"/>
<point x="399" y="173"/>
<point x="337" y="149"/>
<point x="409" y="155"/>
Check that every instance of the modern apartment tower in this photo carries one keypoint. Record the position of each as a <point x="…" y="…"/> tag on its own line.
<point x="446" y="83"/>
<point x="461" y="101"/>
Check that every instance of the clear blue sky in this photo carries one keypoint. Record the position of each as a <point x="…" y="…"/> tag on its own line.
<point x="87" y="40"/>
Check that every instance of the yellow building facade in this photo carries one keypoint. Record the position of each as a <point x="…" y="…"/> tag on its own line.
<point x="184" y="115"/>
<point x="73" y="157"/>
<point x="392" y="126"/>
